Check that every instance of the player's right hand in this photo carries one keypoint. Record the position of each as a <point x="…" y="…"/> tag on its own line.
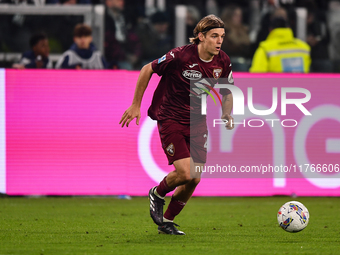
<point x="131" y="113"/>
<point x="230" y="123"/>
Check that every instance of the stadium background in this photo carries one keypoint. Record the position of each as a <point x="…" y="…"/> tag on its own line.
<point x="59" y="135"/>
<point x="59" y="128"/>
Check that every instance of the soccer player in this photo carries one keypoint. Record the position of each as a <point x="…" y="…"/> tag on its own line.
<point x="171" y="108"/>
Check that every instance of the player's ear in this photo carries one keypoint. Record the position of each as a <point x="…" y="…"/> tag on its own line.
<point x="201" y="36"/>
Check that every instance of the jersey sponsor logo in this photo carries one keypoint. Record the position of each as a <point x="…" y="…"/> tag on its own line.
<point x="170" y="149"/>
<point x="161" y="59"/>
<point x="172" y="54"/>
<point x="217" y="73"/>
<point x="230" y="77"/>
<point x="193" y="65"/>
<point x="192" y="74"/>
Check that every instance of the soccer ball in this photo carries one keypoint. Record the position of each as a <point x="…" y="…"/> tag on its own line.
<point x="293" y="216"/>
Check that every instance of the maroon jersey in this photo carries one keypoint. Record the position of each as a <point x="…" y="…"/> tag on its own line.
<point x="178" y="68"/>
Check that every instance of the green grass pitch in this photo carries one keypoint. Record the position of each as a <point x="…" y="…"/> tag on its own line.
<point x="213" y="225"/>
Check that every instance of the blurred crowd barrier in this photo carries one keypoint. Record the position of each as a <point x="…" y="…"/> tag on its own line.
<point x="19" y="23"/>
<point x="316" y="22"/>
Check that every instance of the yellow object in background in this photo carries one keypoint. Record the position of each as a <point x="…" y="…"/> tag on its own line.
<point x="281" y="53"/>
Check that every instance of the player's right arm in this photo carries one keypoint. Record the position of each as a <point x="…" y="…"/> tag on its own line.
<point x="134" y="110"/>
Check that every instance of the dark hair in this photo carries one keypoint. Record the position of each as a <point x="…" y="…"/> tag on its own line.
<point x="278" y="22"/>
<point x="81" y="30"/>
<point x="37" y="38"/>
<point x="204" y="25"/>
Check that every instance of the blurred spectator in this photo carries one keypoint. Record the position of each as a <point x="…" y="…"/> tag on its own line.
<point x="37" y="57"/>
<point x="265" y="23"/>
<point x="271" y="9"/>
<point x="236" y="42"/>
<point x="82" y="54"/>
<point x="193" y="17"/>
<point x="281" y="52"/>
<point x="154" y="37"/>
<point x="318" y="38"/>
<point x="122" y="47"/>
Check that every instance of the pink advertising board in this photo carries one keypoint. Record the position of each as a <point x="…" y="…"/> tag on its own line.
<point x="59" y="135"/>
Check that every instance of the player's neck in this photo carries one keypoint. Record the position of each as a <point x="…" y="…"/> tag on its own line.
<point x="203" y="54"/>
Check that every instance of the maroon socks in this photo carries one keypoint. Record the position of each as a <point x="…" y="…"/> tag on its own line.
<point x="163" y="188"/>
<point x="174" y="208"/>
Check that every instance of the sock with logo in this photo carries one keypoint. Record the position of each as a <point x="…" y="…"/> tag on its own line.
<point x="174" y="208"/>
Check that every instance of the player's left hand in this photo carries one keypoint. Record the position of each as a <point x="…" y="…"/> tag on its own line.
<point x="230" y="124"/>
<point x="131" y="113"/>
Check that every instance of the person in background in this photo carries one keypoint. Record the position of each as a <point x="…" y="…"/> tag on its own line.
<point x="271" y="9"/>
<point x="265" y="23"/>
<point x="37" y="57"/>
<point x="318" y="38"/>
<point x="237" y="41"/>
<point x="192" y="18"/>
<point x="82" y="54"/>
<point x="154" y="37"/>
<point x="281" y="52"/>
<point x="122" y="46"/>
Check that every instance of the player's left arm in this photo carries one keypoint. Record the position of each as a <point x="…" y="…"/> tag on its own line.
<point x="134" y="110"/>
<point x="227" y="106"/>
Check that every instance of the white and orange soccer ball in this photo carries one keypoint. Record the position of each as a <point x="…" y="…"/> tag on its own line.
<point x="293" y="216"/>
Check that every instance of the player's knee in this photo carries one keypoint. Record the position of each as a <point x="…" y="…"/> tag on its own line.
<point x="184" y="178"/>
<point x="194" y="182"/>
<point x="187" y="179"/>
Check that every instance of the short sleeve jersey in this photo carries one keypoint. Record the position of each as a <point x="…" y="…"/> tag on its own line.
<point x="178" y="68"/>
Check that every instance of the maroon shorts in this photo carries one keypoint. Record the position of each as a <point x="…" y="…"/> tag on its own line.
<point x="178" y="142"/>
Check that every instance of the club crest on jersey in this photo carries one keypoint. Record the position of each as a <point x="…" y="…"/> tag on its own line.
<point x="217" y="73"/>
<point x="170" y="149"/>
<point x="161" y="59"/>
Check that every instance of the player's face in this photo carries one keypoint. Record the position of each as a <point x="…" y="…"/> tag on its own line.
<point x="212" y="41"/>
